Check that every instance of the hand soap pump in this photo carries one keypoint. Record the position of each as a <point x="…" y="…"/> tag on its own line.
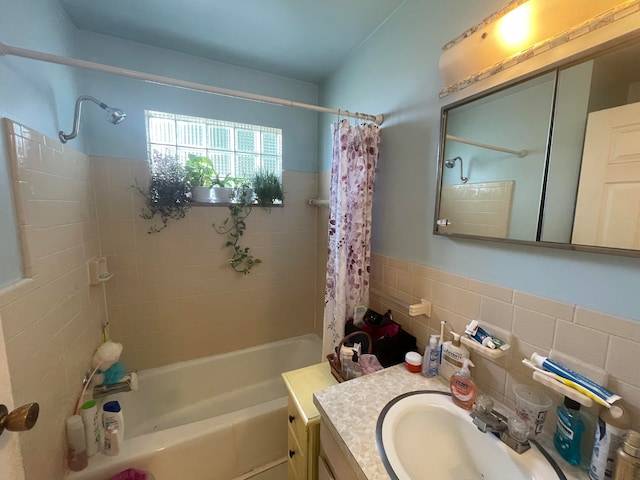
<point x="463" y="389"/>
<point x="431" y="359"/>
<point x="453" y="355"/>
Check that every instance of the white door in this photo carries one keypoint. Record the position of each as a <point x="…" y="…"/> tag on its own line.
<point x="608" y="203"/>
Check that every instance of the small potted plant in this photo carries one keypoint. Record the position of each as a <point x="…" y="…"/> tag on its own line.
<point x="167" y="195"/>
<point x="199" y="176"/>
<point x="267" y="188"/>
<point x="244" y="191"/>
<point x="223" y="188"/>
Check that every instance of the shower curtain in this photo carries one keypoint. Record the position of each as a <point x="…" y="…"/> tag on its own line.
<point x="355" y="154"/>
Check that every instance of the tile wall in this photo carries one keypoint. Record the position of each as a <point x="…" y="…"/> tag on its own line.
<point x="590" y="342"/>
<point x="173" y="297"/>
<point x="51" y="319"/>
<point x="478" y="208"/>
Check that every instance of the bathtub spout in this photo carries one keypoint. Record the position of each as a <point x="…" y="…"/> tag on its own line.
<point x="129" y="383"/>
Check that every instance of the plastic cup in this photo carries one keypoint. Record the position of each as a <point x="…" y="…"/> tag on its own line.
<point x="532" y="406"/>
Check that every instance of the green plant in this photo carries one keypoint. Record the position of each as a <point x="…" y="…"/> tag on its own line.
<point x="242" y="261"/>
<point x="267" y="187"/>
<point x="199" y="171"/>
<point x="168" y="193"/>
<point x="227" y="181"/>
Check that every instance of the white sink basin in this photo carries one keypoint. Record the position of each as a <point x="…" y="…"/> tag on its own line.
<point x="423" y="435"/>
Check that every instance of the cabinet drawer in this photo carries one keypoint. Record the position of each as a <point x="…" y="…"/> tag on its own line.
<point x="296" y="458"/>
<point x="296" y="423"/>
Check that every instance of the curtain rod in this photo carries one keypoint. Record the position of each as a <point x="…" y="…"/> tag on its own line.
<point x="201" y="87"/>
<point x="520" y="153"/>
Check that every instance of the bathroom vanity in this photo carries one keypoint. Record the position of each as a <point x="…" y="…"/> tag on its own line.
<point x="303" y="419"/>
<point x="349" y="414"/>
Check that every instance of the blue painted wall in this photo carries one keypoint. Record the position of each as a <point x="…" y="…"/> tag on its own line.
<point x="128" y="140"/>
<point x="33" y="93"/>
<point x="396" y="73"/>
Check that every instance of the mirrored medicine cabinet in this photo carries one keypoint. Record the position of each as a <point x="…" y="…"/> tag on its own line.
<point x="552" y="160"/>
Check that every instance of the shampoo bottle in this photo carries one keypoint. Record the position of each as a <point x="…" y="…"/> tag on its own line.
<point x="463" y="390"/>
<point x="569" y="431"/>
<point x="112" y="415"/>
<point x="76" y="440"/>
<point x="431" y="359"/>
<point x="610" y="432"/>
<point x="89" y="414"/>
<point x="453" y="355"/>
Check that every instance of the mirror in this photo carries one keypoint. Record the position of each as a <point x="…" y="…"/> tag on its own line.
<point x="553" y="160"/>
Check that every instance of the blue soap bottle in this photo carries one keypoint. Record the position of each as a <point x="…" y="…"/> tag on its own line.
<point x="569" y="431"/>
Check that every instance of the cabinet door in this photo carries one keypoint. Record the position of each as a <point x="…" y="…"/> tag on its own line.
<point x="323" y="470"/>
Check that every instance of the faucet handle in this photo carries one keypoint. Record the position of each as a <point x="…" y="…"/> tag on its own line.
<point x="518" y="429"/>
<point x="483" y="404"/>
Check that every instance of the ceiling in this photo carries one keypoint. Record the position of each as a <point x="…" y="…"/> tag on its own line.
<point x="302" y="39"/>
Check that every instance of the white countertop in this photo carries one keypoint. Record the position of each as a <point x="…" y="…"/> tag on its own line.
<point x="351" y="411"/>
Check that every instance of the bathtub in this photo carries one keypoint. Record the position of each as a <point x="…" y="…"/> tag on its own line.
<point x="212" y="418"/>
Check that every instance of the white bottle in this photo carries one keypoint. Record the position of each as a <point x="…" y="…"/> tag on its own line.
<point x="111" y="441"/>
<point x="77" y="459"/>
<point x="89" y="414"/>
<point x="610" y="432"/>
<point x="112" y="415"/>
<point x="431" y="359"/>
<point x="453" y="355"/>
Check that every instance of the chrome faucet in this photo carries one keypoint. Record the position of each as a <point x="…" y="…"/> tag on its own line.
<point x="512" y="431"/>
<point x="128" y="383"/>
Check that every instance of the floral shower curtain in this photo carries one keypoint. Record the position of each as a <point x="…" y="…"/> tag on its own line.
<point x="355" y="154"/>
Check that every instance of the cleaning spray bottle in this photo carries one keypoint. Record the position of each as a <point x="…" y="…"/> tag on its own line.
<point x="463" y="389"/>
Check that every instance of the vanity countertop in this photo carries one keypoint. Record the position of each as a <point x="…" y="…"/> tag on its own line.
<point x="351" y="410"/>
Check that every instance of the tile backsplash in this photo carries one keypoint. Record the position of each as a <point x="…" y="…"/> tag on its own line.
<point x="592" y="343"/>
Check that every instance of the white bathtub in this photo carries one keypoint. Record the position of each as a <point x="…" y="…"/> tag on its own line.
<point x="213" y="418"/>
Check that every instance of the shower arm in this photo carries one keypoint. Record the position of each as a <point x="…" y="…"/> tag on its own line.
<point x="452" y="163"/>
<point x="64" y="138"/>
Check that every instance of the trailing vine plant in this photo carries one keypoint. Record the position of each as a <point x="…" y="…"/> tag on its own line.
<point x="242" y="261"/>
<point x="168" y="193"/>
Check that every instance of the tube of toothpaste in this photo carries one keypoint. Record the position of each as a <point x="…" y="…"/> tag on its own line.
<point x="559" y="369"/>
<point x="484" y="338"/>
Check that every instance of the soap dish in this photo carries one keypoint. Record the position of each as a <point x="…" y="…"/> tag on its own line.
<point x="98" y="271"/>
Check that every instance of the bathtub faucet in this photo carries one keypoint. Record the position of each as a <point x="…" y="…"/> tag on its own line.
<point x="128" y="383"/>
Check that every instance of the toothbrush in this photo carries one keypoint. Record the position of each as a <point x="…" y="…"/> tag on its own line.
<point x="615" y="411"/>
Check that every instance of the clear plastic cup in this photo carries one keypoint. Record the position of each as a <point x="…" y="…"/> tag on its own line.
<point x="532" y="406"/>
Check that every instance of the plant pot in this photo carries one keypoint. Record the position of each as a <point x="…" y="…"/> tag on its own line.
<point x="201" y="194"/>
<point x="222" y="194"/>
<point x="245" y="196"/>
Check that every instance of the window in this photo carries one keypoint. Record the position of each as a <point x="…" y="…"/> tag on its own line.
<point x="236" y="149"/>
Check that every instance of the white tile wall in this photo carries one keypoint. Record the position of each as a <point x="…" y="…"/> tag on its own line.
<point x="593" y="343"/>
<point x="51" y="320"/>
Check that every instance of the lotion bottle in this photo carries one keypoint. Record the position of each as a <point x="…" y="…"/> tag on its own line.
<point x="610" y="432"/>
<point x="453" y="355"/>
<point x="463" y="389"/>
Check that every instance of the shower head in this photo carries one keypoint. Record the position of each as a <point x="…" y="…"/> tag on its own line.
<point x="114" y="116"/>
<point x="452" y="163"/>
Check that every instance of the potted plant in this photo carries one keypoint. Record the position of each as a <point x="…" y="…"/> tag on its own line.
<point x="267" y="188"/>
<point x="168" y="193"/>
<point x="222" y="188"/>
<point x="199" y="176"/>
<point x="244" y="191"/>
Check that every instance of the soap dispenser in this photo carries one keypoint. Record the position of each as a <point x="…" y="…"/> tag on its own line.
<point x="431" y="359"/>
<point x="463" y="389"/>
<point x="453" y="354"/>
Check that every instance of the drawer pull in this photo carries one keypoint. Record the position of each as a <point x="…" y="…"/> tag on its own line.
<point x="291" y="418"/>
<point x="291" y="453"/>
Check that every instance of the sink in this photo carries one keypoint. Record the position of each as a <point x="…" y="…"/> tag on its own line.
<point x="423" y="434"/>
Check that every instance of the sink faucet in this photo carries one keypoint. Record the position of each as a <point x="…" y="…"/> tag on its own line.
<point x="512" y="431"/>
<point x="128" y="383"/>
